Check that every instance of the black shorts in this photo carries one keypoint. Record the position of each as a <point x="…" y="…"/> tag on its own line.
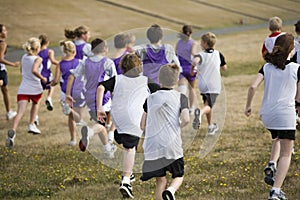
<point x="3" y="77"/>
<point x="159" y="168"/>
<point x="283" y="134"/>
<point x="210" y="99"/>
<point x="128" y="141"/>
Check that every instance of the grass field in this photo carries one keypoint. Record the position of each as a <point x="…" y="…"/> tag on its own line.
<point x="45" y="167"/>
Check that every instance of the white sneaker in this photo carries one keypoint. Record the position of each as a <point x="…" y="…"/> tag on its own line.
<point x="81" y="123"/>
<point x="36" y="121"/>
<point x="72" y="142"/>
<point x="11" y="134"/>
<point x="66" y="109"/>
<point x="49" y="104"/>
<point x="110" y="154"/>
<point x="212" y="129"/>
<point x="11" y="114"/>
<point x="33" y="129"/>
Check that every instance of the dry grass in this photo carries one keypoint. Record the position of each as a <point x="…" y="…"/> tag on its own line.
<point x="45" y="166"/>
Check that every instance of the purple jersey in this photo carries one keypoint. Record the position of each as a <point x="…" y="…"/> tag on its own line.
<point x="117" y="63"/>
<point x="79" y="51"/>
<point x="94" y="73"/>
<point x="44" y="54"/>
<point x="153" y="61"/>
<point x="184" y="54"/>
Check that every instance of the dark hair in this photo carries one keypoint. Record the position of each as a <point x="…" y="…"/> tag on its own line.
<point x="76" y="33"/>
<point x="97" y="45"/>
<point x="154" y="33"/>
<point x="131" y="65"/>
<point x="284" y="44"/>
<point x="120" y="41"/>
<point x="1" y="27"/>
<point x="186" y="32"/>
<point x="43" y="39"/>
<point x="297" y="27"/>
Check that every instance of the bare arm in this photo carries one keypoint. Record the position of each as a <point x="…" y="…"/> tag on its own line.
<point x="224" y="67"/>
<point x="185" y="118"/>
<point x="251" y="92"/>
<point x="143" y="121"/>
<point x="101" y="115"/>
<point x="52" y="58"/>
<point x="69" y="98"/>
<point x="56" y="76"/>
<point x="35" y="69"/>
<point x="3" y="46"/>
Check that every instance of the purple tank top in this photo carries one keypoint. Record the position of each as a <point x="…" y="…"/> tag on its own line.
<point x="94" y="73"/>
<point x="153" y="61"/>
<point x="44" y="54"/>
<point x="79" y="51"/>
<point x="65" y="67"/>
<point x="184" y="52"/>
<point x="117" y="63"/>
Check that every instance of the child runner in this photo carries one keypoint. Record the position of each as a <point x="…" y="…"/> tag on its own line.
<point x="130" y="37"/>
<point x="281" y="86"/>
<point x="30" y="88"/>
<point x="275" y="26"/>
<point x="3" y="73"/>
<point x="185" y="50"/>
<point x="296" y="57"/>
<point x="165" y="112"/>
<point x="68" y="63"/>
<point x="208" y="64"/>
<point x="48" y="58"/>
<point x="120" y="43"/>
<point x="155" y="54"/>
<point x="95" y="69"/>
<point x="129" y="90"/>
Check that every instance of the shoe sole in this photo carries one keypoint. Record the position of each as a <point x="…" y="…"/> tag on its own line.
<point x="34" y="133"/>
<point x="83" y="142"/>
<point x="196" y="122"/>
<point x="49" y="106"/>
<point x="126" y="193"/>
<point x="214" y="132"/>
<point x="167" y="195"/>
<point x="9" y="141"/>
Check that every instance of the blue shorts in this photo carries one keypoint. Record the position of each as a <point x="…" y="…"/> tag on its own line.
<point x="3" y="77"/>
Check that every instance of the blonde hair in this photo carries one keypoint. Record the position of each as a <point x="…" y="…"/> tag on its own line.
<point x="275" y="24"/>
<point x="68" y="47"/>
<point x="169" y="74"/>
<point x="210" y="39"/>
<point x="32" y="45"/>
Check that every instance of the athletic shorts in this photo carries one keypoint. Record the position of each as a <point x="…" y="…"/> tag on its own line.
<point x="3" y="77"/>
<point x="159" y="168"/>
<point x="47" y="85"/>
<point x="128" y="141"/>
<point x="34" y="98"/>
<point x="283" y="134"/>
<point x="186" y="72"/>
<point x="210" y="99"/>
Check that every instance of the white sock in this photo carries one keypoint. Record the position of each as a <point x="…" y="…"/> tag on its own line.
<point x="126" y="180"/>
<point x="172" y="190"/>
<point x="111" y="136"/>
<point x="182" y="89"/>
<point x="107" y="147"/>
<point x="277" y="190"/>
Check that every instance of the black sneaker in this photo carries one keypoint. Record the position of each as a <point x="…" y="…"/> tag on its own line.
<point x="167" y="195"/>
<point x="49" y="104"/>
<point x="270" y="172"/>
<point x="197" y="119"/>
<point x="126" y="190"/>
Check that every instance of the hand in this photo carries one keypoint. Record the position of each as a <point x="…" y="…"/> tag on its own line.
<point x="69" y="100"/>
<point x="248" y="111"/>
<point x="101" y="116"/>
<point x="44" y="80"/>
<point x="17" y="64"/>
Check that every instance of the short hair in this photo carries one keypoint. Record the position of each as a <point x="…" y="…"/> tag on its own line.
<point x="297" y="27"/>
<point x="1" y="27"/>
<point x="131" y="65"/>
<point x="68" y="47"/>
<point x="154" y="33"/>
<point x="283" y="46"/>
<point x="32" y="45"/>
<point x="168" y="74"/>
<point x="98" y="45"/>
<point x="210" y="39"/>
<point x="275" y="24"/>
<point x="120" y="41"/>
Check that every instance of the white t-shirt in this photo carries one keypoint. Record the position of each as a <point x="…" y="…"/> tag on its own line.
<point x="278" y="106"/>
<point x="30" y="84"/>
<point x="129" y="95"/>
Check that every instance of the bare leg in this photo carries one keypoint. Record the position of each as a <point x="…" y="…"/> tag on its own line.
<point x="275" y="151"/>
<point x="72" y="127"/>
<point x="284" y="161"/>
<point x="128" y="161"/>
<point x="33" y="112"/>
<point x="176" y="183"/>
<point x="101" y="131"/>
<point x="22" y="105"/>
<point x="161" y="184"/>
<point x="192" y="93"/>
<point x="6" y="97"/>
<point x="50" y="92"/>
